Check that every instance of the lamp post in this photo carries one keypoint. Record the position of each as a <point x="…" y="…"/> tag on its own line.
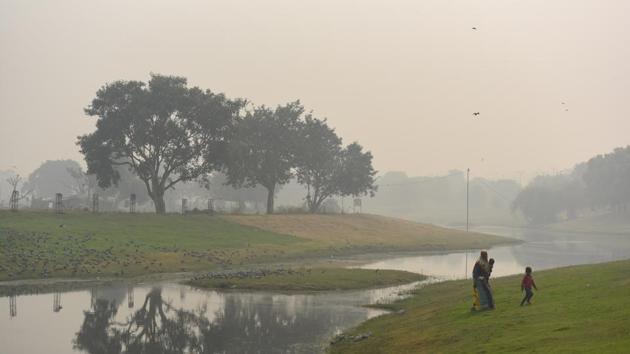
<point x="467" y="214"/>
<point x="467" y="194"/>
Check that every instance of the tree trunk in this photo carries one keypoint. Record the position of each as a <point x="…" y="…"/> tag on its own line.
<point x="314" y="206"/>
<point x="158" y="200"/>
<point x="270" y="198"/>
<point x="313" y="202"/>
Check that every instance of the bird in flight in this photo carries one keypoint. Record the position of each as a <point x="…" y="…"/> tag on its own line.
<point x="476" y="114"/>
<point x="475" y="28"/>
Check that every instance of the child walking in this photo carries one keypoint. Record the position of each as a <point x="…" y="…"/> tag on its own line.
<point x="526" y="285"/>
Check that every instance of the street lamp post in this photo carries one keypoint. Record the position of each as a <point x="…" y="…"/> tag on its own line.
<point x="467" y="194"/>
<point x="467" y="226"/>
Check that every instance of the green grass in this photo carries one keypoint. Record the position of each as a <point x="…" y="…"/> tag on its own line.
<point x="85" y="245"/>
<point x="313" y="279"/>
<point x="578" y="309"/>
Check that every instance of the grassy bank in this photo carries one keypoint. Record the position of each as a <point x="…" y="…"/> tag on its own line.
<point x="43" y="244"/>
<point x="76" y="244"/>
<point x="578" y="309"/>
<point x="311" y="279"/>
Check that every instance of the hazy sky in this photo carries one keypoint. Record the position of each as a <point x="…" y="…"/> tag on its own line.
<point x="401" y="77"/>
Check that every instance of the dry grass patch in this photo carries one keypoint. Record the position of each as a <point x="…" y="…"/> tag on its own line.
<point x="367" y="230"/>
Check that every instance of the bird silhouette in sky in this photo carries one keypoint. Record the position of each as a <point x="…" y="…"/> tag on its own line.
<point x="476" y="114"/>
<point x="475" y="28"/>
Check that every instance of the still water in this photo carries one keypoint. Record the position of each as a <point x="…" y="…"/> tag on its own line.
<point x="173" y="318"/>
<point x="541" y="249"/>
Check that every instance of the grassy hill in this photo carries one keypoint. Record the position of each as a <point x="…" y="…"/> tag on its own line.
<point x="81" y="244"/>
<point x="578" y="309"/>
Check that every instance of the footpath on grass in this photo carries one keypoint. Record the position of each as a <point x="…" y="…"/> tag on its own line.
<point x="581" y="309"/>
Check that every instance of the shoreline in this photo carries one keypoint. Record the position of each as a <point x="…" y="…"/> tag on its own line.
<point x="47" y="285"/>
<point x="346" y="261"/>
<point x="35" y="245"/>
<point x="306" y="279"/>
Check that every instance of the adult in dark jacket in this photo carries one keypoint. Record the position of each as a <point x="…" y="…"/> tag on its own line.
<point x="481" y="272"/>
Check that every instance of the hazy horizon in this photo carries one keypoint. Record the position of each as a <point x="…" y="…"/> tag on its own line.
<point x="403" y="78"/>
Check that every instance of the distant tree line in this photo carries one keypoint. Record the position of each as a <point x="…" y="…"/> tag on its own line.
<point x="166" y="133"/>
<point x="77" y="187"/>
<point x="601" y="182"/>
<point x="441" y="199"/>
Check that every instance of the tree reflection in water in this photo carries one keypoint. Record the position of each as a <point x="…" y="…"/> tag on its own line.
<point x="148" y="330"/>
<point x="242" y="325"/>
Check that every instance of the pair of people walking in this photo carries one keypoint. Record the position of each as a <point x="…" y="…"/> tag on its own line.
<point x="483" y="298"/>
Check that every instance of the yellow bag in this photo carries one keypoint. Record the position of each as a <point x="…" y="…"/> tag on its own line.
<point x="476" y="304"/>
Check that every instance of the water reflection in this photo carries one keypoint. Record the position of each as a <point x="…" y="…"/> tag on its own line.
<point x="57" y="302"/>
<point x="156" y="327"/>
<point x="172" y="318"/>
<point x="12" y="306"/>
<point x="130" y="299"/>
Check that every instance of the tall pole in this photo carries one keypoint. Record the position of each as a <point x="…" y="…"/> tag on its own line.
<point x="467" y="194"/>
<point x="467" y="204"/>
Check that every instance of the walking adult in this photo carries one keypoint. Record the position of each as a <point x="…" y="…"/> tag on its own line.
<point x="481" y="288"/>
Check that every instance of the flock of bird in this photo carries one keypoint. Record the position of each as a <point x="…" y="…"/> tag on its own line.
<point x="476" y="114"/>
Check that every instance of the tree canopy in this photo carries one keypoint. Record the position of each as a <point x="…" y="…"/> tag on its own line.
<point x="356" y="176"/>
<point x="262" y="151"/>
<point x="327" y="169"/>
<point x="318" y="164"/>
<point x="163" y="130"/>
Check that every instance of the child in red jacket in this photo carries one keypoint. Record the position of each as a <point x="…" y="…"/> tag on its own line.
<point x="527" y="284"/>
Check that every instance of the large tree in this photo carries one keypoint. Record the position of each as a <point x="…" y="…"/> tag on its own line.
<point x="263" y="149"/>
<point x="327" y="169"/>
<point x="318" y="161"/>
<point x="163" y="130"/>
